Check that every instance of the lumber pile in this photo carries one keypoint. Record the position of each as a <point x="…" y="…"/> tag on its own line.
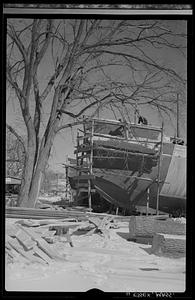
<point x="29" y="242"/>
<point x="149" y="225"/>
<point x="35" y="213"/>
<point x="77" y="213"/>
<point x="167" y="236"/>
<point x="33" y="241"/>
<point x="168" y="244"/>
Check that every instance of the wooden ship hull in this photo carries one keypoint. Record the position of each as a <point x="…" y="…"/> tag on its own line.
<point x="139" y="171"/>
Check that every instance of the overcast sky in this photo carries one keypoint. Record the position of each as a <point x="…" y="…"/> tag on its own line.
<point x="66" y="140"/>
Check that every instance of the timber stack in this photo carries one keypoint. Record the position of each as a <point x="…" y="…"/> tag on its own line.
<point x="168" y="244"/>
<point x="168" y="236"/>
<point x="34" y="241"/>
<point x="26" y="244"/>
<point x="77" y="214"/>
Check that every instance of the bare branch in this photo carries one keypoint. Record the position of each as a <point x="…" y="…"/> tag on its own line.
<point x="44" y="48"/>
<point x="11" y="32"/>
<point x="155" y="65"/>
<point x="19" y="92"/>
<point x="19" y="138"/>
<point x="85" y="108"/>
<point x="69" y="125"/>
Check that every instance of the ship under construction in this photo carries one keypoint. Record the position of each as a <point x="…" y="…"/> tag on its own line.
<point x="133" y="167"/>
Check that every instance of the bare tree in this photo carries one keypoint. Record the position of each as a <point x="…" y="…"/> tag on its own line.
<point x="90" y="65"/>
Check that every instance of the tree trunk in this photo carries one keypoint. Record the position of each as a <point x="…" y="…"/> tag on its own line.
<point x="42" y="160"/>
<point x="36" y="181"/>
<point x="35" y="188"/>
<point x="27" y="175"/>
<point x="32" y="191"/>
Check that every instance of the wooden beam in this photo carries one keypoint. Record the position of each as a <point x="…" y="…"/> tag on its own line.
<point x="150" y="225"/>
<point x="168" y="244"/>
<point x="85" y="177"/>
<point x="26" y="254"/>
<point x="42" y="244"/>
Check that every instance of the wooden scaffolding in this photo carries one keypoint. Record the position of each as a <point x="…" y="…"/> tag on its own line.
<point x="84" y="157"/>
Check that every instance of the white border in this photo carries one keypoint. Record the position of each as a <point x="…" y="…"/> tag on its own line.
<point x="97" y="11"/>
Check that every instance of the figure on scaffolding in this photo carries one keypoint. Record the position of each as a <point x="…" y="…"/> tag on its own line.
<point x="141" y="120"/>
<point x="119" y="131"/>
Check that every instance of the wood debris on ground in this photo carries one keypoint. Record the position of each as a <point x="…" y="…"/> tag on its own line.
<point x="28" y="241"/>
<point x="101" y="226"/>
<point x="34" y="240"/>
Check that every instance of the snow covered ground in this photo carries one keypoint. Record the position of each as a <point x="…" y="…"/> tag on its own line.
<point x="111" y="265"/>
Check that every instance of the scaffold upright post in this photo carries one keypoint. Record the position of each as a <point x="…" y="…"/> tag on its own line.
<point x="159" y="168"/>
<point x="77" y="164"/>
<point x="90" y="164"/>
<point x="147" y="201"/>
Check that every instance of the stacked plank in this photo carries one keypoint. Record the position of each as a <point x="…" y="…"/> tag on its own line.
<point x="149" y="225"/>
<point x="168" y="236"/>
<point x="28" y="245"/>
<point x="29" y="241"/>
<point x="34" y="213"/>
<point x="168" y="244"/>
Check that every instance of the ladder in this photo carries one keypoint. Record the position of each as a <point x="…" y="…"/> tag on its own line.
<point x="84" y="161"/>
